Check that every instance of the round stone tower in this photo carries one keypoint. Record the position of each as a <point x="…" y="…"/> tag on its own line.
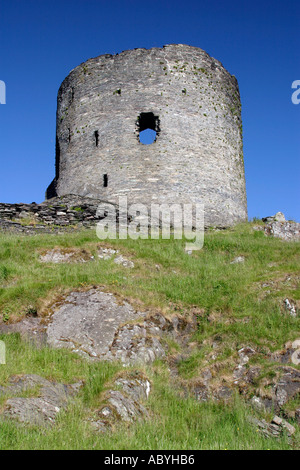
<point x="185" y="96"/>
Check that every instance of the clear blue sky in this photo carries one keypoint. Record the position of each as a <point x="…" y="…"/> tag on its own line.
<point x="257" y="41"/>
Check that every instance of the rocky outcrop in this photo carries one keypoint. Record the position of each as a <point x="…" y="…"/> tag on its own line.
<point x="288" y="231"/>
<point x="123" y="401"/>
<point x="274" y="429"/>
<point x="99" y="326"/>
<point x="29" y="328"/>
<point x="278" y="217"/>
<point x="87" y="323"/>
<point x="48" y="399"/>
<point x="60" y="255"/>
<point x="65" y="255"/>
<point x="276" y="226"/>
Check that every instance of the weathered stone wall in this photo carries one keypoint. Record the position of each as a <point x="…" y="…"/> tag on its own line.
<point x="61" y="212"/>
<point x="195" y="106"/>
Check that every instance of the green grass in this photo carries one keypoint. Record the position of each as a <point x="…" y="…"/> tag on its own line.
<point x="233" y="309"/>
<point x="173" y="424"/>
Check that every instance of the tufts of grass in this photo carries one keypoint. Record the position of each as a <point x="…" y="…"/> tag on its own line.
<point x="173" y="423"/>
<point x="232" y="308"/>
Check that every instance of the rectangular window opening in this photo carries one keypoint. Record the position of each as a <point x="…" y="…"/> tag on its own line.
<point x="96" y="138"/>
<point x="105" y="181"/>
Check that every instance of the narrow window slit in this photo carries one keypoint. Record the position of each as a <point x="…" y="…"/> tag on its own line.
<point x="96" y="134"/>
<point x="105" y="181"/>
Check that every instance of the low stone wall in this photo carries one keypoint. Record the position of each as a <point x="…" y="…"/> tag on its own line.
<point x="66" y="212"/>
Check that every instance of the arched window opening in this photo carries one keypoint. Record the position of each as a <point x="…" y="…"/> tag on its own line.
<point x="148" y="128"/>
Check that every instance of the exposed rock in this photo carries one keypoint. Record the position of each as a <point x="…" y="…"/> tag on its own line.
<point x="240" y="370"/>
<point x="30" y="329"/>
<point x="272" y="429"/>
<point x="238" y="259"/>
<point x="140" y="343"/>
<point x="96" y="326"/>
<point x="137" y="344"/>
<point x="297" y="415"/>
<point x="124" y="262"/>
<point x="73" y="255"/>
<point x="274" y="393"/>
<point x="65" y="255"/>
<point x="223" y="393"/>
<point x="296" y="356"/>
<point x="284" y="356"/>
<point x="200" y="391"/>
<point x="109" y="253"/>
<point x="245" y="354"/>
<point x="296" y="344"/>
<point x="290" y="307"/>
<point x="288" y="231"/>
<point x="278" y="217"/>
<point x="106" y="253"/>
<point x="123" y="402"/>
<point x="282" y="422"/>
<point x="270" y="392"/>
<point x="287" y="387"/>
<point x="252" y="374"/>
<point x="278" y="227"/>
<point x="87" y="322"/>
<point x="38" y="410"/>
<point x="203" y="390"/>
<point x="258" y="403"/>
<point x="288" y="355"/>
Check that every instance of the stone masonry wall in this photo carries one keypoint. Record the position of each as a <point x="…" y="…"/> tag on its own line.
<point x="192" y="103"/>
<point x="66" y="212"/>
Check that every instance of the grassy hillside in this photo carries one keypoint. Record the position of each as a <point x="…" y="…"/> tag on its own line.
<point x="236" y="305"/>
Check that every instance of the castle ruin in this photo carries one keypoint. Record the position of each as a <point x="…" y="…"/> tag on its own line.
<point x="192" y="104"/>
